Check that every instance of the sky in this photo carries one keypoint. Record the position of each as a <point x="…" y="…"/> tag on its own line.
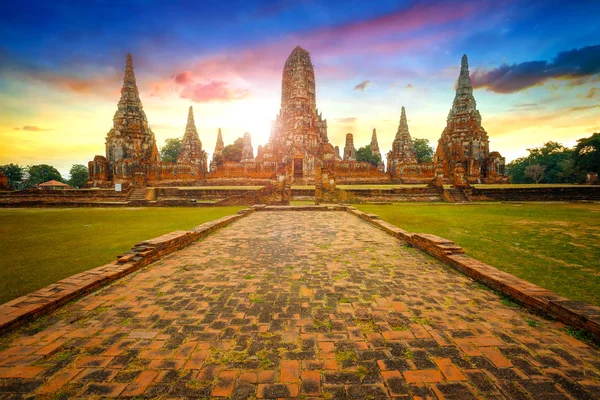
<point x="535" y="68"/>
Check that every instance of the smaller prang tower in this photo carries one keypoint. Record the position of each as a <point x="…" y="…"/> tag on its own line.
<point x="464" y="142"/>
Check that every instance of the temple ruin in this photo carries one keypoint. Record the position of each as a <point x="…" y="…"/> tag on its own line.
<point x="402" y="164"/>
<point x="375" y="150"/>
<point x="464" y="143"/>
<point x="132" y="157"/>
<point x="349" y="149"/>
<point x="298" y="139"/>
<point x="298" y="145"/>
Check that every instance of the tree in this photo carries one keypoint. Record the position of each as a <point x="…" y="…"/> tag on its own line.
<point x="365" y="154"/>
<point x="14" y="174"/>
<point x="556" y="159"/>
<point x="233" y="152"/>
<point x="423" y="150"/>
<point x="516" y="170"/>
<point x="218" y="159"/>
<point x="586" y="155"/>
<point x="170" y="151"/>
<point x="42" y="173"/>
<point x="535" y="172"/>
<point x="79" y="175"/>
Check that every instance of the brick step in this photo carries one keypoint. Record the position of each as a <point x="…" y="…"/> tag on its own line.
<point x="137" y="195"/>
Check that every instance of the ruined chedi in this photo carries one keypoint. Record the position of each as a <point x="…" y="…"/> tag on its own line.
<point x="191" y="146"/>
<point x="131" y="153"/>
<point x="130" y="142"/>
<point x="247" y="150"/>
<point x="349" y="149"/>
<point x="464" y="141"/>
<point x="299" y="132"/>
<point x="375" y="150"/>
<point x="402" y="148"/>
<point x="218" y="153"/>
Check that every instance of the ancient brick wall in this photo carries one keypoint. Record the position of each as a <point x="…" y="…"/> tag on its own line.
<point x="263" y="170"/>
<point x="572" y="193"/>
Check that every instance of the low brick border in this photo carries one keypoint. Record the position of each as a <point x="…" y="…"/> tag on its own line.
<point x="20" y="310"/>
<point x="575" y="313"/>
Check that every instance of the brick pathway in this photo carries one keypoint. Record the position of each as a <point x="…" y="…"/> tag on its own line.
<point x="296" y="304"/>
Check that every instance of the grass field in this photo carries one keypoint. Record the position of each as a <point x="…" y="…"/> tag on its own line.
<point x="41" y="246"/>
<point x="556" y="246"/>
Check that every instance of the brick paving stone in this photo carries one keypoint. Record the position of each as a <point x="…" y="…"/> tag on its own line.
<point x="59" y="380"/>
<point x="423" y="376"/>
<point x="21" y="372"/>
<point x="140" y="383"/>
<point x="288" y="304"/>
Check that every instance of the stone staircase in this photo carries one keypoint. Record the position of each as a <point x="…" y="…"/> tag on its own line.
<point x="137" y="194"/>
<point x="457" y="195"/>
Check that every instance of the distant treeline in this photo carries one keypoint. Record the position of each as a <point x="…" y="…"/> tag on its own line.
<point x="555" y="163"/>
<point x="20" y="177"/>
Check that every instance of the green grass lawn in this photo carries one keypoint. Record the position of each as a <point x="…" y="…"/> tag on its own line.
<point x="41" y="246"/>
<point x="556" y="246"/>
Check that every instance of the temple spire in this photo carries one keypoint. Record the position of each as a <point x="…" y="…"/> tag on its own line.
<point x="247" y="150"/>
<point x="375" y="144"/>
<point x="403" y="125"/>
<point x="375" y="149"/>
<point x="190" y="120"/>
<point x="464" y="102"/>
<point x="191" y="146"/>
<point x="402" y="148"/>
<point x="129" y="80"/>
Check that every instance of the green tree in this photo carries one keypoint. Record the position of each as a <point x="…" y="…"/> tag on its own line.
<point x="79" y="175"/>
<point x="423" y="150"/>
<point x="365" y="154"/>
<point x="14" y="174"/>
<point x="556" y="160"/>
<point x="516" y="170"/>
<point x="586" y="155"/>
<point x="42" y="173"/>
<point x="170" y="151"/>
<point x="233" y="152"/>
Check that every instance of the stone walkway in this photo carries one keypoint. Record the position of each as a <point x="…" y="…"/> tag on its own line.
<point x="296" y="304"/>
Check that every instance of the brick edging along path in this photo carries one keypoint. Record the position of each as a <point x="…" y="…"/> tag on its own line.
<point x="579" y="314"/>
<point x="576" y="313"/>
<point x="16" y="312"/>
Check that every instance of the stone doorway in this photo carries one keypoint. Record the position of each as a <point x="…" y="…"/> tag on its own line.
<point x="298" y="163"/>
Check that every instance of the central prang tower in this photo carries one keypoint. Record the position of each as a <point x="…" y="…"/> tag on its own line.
<point x="299" y="133"/>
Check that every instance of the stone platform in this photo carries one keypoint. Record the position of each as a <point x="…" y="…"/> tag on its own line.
<point x="296" y="304"/>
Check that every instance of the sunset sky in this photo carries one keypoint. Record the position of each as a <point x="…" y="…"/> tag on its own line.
<point x="535" y="66"/>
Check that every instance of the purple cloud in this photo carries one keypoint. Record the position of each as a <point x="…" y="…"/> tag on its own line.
<point x="362" y="86"/>
<point x="576" y="65"/>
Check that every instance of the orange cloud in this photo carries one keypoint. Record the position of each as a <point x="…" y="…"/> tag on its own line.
<point x="33" y="128"/>
<point x="347" y="120"/>
<point x="592" y="93"/>
<point x="184" y="78"/>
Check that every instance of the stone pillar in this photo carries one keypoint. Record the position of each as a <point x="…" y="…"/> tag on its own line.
<point x="318" y="183"/>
